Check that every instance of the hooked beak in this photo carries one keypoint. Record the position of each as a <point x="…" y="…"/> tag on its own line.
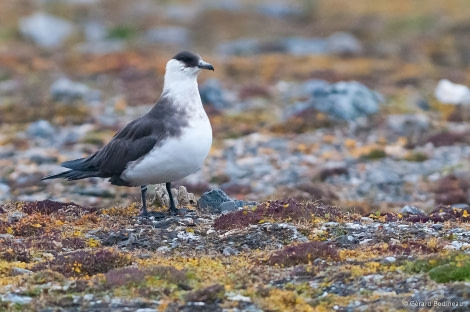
<point x="205" y="65"/>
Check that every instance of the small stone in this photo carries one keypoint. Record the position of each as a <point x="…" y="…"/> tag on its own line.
<point x="146" y="310"/>
<point x="437" y="226"/>
<point x="230" y="251"/>
<point x="390" y="259"/>
<point x="412" y="210"/>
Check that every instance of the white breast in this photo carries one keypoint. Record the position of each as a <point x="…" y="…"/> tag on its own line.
<point x="175" y="157"/>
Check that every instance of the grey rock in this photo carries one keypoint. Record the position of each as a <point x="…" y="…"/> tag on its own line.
<point x="211" y="200"/>
<point x="212" y="93"/>
<point x="41" y="129"/>
<point x="169" y="35"/>
<point x="230" y="251"/>
<point x="437" y="226"/>
<point x="343" y="43"/>
<point x="46" y="30"/>
<point x="412" y="210"/>
<point x="65" y="89"/>
<point x="6" y="236"/>
<point x="227" y="207"/>
<point x="346" y="100"/>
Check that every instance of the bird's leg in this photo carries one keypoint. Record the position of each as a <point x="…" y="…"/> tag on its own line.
<point x="143" y="190"/>
<point x="173" y="209"/>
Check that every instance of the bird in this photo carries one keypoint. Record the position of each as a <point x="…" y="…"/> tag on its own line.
<point x="168" y="143"/>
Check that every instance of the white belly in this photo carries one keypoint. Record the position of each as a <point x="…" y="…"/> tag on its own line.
<point x="174" y="158"/>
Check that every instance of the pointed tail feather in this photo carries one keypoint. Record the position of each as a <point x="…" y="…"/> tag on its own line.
<point x="72" y="175"/>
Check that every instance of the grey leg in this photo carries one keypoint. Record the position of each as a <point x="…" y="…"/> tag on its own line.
<point x="173" y="209"/>
<point x="143" y="190"/>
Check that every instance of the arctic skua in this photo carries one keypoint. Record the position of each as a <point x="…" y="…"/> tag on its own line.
<point x="166" y="144"/>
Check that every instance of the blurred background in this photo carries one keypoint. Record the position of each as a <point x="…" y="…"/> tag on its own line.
<point x="342" y="101"/>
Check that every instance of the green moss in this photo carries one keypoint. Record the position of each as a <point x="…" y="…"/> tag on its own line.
<point x="375" y="154"/>
<point x="451" y="272"/>
<point x="417" y="156"/>
<point x="122" y="32"/>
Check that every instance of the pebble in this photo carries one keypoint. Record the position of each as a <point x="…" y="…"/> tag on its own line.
<point x="390" y="259"/>
<point x="46" y="30"/>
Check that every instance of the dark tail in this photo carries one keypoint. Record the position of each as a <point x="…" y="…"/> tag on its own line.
<point x="72" y="175"/>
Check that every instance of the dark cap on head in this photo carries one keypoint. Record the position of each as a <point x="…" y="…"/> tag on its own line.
<point x="188" y="58"/>
<point x="192" y="60"/>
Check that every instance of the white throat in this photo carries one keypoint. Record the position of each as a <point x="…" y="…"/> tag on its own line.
<point x="181" y="84"/>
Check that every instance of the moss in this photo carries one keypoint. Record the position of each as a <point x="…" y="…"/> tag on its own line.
<point x="417" y="157"/>
<point x="451" y="272"/>
<point x="375" y="154"/>
<point x="122" y="32"/>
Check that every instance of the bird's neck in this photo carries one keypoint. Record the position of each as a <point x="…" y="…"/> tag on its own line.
<point x="183" y="90"/>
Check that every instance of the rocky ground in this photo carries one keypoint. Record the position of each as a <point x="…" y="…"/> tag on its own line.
<point x="333" y="133"/>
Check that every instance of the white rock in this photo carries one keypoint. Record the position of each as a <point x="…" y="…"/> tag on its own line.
<point x="452" y="93"/>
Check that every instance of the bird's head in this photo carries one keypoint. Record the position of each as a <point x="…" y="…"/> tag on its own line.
<point x="186" y="64"/>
